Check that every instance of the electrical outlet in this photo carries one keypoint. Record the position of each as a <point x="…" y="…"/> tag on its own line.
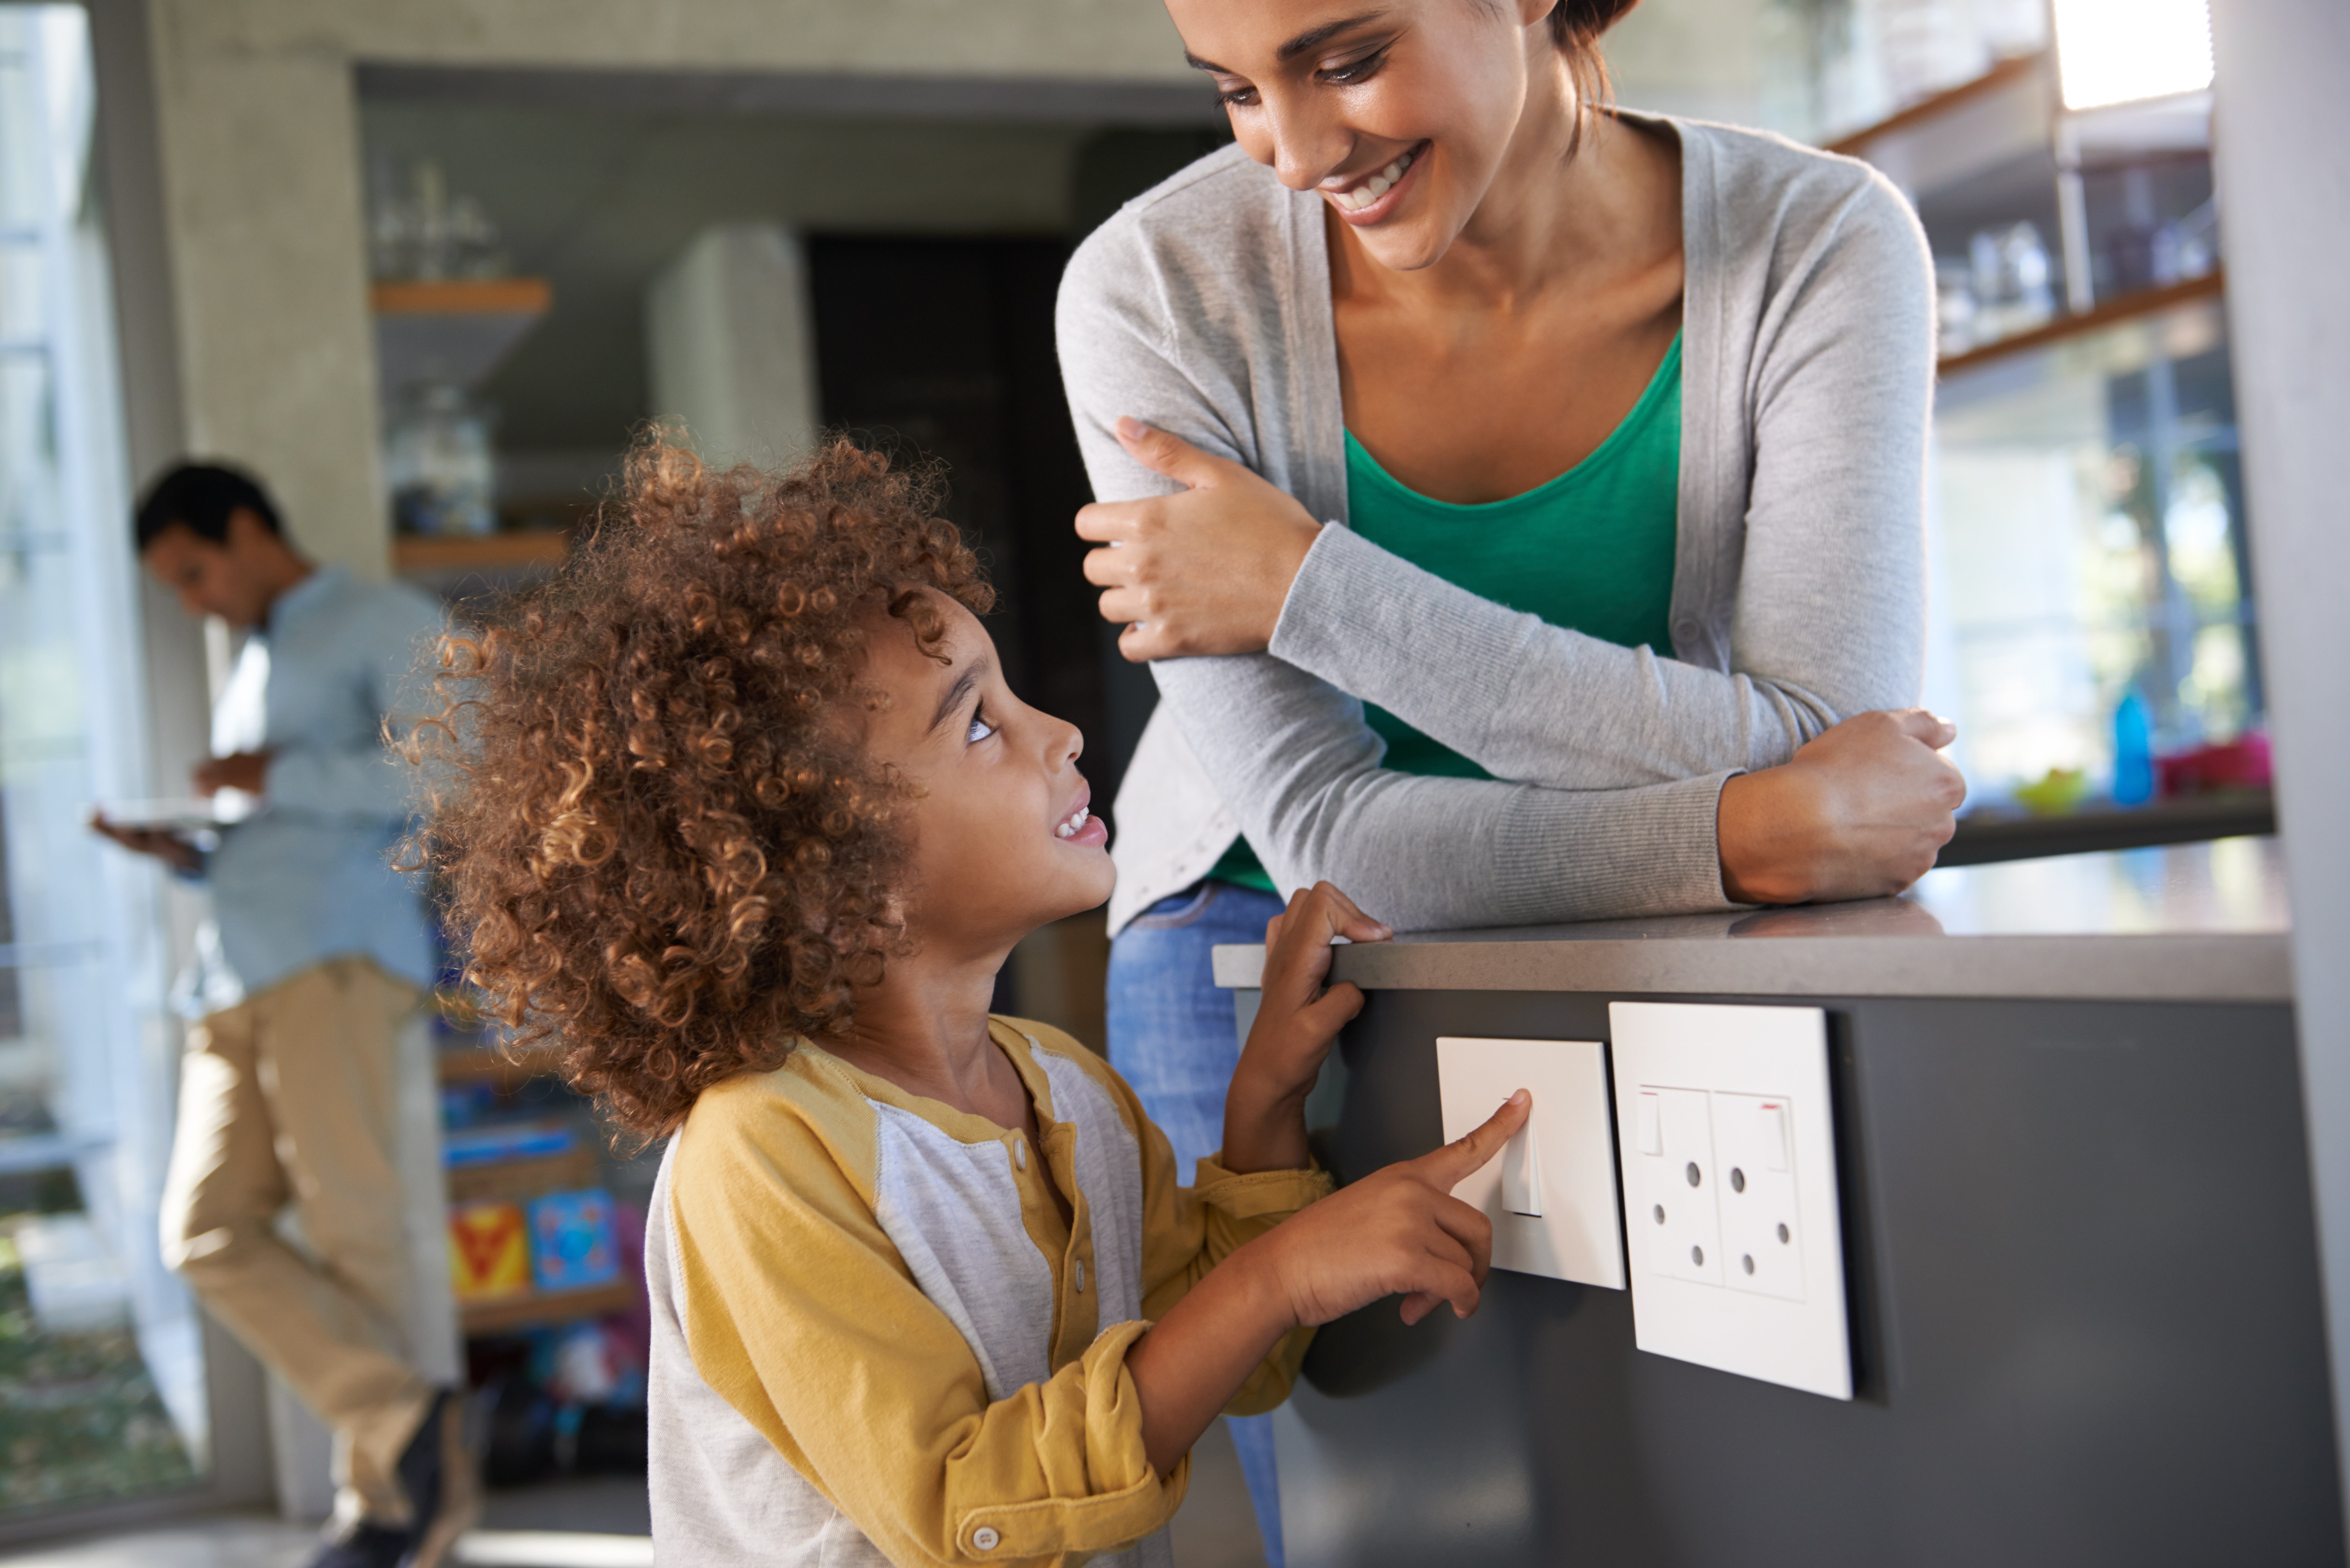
<point x="1680" y="1220"/>
<point x="1551" y="1192"/>
<point x="1733" y="1155"/>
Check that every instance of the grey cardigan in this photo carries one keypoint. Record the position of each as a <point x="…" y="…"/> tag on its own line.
<point x="1798" y="595"/>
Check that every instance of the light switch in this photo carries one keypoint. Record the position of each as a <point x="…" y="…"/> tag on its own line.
<point x="1743" y="1268"/>
<point x="1522" y="1182"/>
<point x="1551" y="1193"/>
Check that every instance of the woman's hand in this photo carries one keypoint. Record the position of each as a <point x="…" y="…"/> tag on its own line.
<point x="1858" y="813"/>
<point x="1265" y="1108"/>
<point x="1202" y="571"/>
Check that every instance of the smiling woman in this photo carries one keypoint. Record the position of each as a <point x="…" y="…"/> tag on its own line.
<point x="1545" y="479"/>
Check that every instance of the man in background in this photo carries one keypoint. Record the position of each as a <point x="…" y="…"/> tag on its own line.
<point x="316" y="954"/>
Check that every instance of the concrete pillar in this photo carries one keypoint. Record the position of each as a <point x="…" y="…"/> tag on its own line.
<point x="2281" y="134"/>
<point x="731" y="347"/>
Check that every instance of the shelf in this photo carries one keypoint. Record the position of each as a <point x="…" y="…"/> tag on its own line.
<point x="507" y="1314"/>
<point x="457" y="331"/>
<point x="520" y="1180"/>
<point x="505" y="1069"/>
<point x="1983" y="839"/>
<point x="478" y="552"/>
<point x="463" y="296"/>
<point x="2127" y="308"/>
<point x="2006" y="73"/>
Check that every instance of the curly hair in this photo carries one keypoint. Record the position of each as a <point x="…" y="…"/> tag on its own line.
<point x="663" y="851"/>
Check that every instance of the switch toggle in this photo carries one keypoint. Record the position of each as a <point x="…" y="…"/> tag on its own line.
<point x="1551" y="1192"/>
<point x="1522" y="1182"/>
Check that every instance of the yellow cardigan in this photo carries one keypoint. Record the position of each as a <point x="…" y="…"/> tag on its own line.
<point x="876" y="1340"/>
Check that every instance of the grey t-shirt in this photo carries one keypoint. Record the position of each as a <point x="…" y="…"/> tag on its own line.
<point x="1203" y="308"/>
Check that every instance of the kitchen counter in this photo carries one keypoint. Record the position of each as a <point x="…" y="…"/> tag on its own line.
<point x="2079" y="1251"/>
<point x="2191" y="922"/>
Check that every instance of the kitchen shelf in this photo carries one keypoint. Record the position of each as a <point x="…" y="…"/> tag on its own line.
<point x="527" y="1310"/>
<point x="478" y="552"/>
<point x="507" y="1070"/>
<point x="520" y="1180"/>
<point x="1983" y="838"/>
<point x="2006" y="73"/>
<point x="2125" y="308"/>
<point x="455" y="330"/>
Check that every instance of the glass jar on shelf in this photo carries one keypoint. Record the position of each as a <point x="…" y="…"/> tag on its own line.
<point x="440" y="463"/>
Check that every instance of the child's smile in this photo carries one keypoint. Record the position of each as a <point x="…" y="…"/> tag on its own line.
<point x="983" y="763"/>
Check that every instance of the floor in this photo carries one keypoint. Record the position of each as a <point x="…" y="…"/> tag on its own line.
<point x="593" y="1523"/>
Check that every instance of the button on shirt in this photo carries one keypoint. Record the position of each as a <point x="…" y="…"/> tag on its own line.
<point x="307" y="876"/>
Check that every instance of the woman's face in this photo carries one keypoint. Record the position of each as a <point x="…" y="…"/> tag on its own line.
<point x="1399" y="113"/>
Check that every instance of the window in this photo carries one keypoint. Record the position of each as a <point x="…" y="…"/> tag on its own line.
<point x="101" y="1387"/>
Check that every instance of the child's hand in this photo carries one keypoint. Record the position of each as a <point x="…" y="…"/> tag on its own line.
<point x="1398" y="1231"/>
<point x="1265" y="1108"/>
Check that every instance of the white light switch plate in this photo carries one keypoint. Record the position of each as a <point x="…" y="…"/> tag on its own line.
<point x="1562" y="1166"/>
<point x="1729" y="1170"/>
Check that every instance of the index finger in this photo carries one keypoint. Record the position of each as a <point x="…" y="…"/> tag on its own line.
<point x="1457" y="1161"/>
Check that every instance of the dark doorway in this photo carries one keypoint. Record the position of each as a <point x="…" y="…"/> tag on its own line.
<point x="942" y="350"/>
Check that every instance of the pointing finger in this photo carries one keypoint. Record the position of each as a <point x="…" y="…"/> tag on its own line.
<point x="1456" y="1162"/>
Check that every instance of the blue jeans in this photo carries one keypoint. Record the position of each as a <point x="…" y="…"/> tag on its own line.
<point x="1172" y="1036"/>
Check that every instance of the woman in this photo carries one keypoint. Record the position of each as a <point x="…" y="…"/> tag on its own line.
<point x="1625" y="420"/>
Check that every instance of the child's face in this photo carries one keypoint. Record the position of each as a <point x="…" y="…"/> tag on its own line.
<point x="1003" y="838"/>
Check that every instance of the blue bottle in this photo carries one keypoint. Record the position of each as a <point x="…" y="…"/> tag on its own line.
<point x="2133" y="751"/>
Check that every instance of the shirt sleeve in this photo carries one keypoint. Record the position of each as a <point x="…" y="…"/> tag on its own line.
<point x="1289" y="753"/>
<point x="802" y="1315"/>
<point x="1831" y="591"/>
<point x="1187" y="1231"/>
<point x="369" y="777"/>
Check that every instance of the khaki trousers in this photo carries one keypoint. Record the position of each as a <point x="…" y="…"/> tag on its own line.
<point x="289" y="1097"/>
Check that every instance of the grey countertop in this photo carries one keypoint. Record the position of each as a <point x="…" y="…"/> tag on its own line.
<point x="2197" y="922"/>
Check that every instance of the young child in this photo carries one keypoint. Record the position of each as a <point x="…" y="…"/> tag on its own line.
<point x="744" y="814"/>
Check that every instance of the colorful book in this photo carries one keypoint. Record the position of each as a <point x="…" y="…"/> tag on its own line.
<point x="489" y="1251"/>
<point x="572" y="1242"/>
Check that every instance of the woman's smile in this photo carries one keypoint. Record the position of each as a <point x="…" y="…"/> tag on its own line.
<point x="1369" y="199"/>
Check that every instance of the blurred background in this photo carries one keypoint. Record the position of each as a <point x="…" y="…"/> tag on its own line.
<point x="427" y="266"/>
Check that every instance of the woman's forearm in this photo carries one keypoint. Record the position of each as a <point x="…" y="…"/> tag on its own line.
<point x="1537" y="703"/>
<point x="1291" y="757"/>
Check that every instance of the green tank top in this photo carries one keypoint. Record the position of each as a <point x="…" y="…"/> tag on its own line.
<point x="1591" y="551"/>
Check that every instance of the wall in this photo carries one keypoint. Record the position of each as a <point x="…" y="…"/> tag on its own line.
<point x="2283" y="149"/>
<point x="256" y="118"/>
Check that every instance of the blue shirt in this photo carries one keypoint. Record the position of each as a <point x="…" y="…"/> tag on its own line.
<point x="306" y="875"/>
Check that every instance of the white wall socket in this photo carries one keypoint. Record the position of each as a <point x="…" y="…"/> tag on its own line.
<point x="1551" y="1195"/>
<point x="1729" y="1168"/>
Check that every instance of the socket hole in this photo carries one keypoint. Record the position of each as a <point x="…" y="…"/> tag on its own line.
<point x="1783" y="1233"/>
<point x="1737" y="1179"/>
<point x="1747" y="1263"/>
<point x="1694" y="1175"/>
<point x="1697" y="1256"/>
<point x="1660" y="1213"/>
